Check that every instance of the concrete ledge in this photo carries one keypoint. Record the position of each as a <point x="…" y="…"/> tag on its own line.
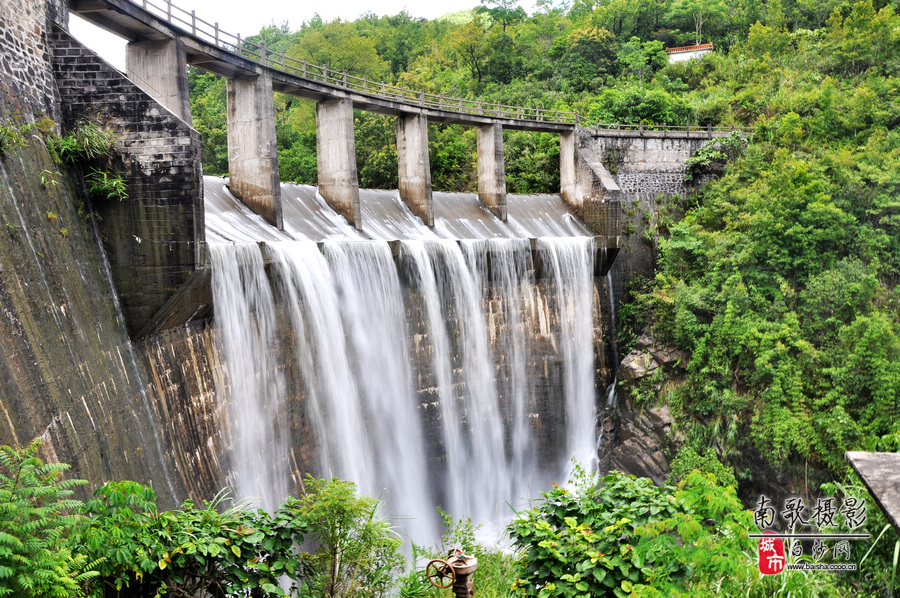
<point x="192" y="301"/>
<point x="880" y="472"/>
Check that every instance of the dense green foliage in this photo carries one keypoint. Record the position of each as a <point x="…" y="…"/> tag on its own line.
<point x="329" y="542"/>
<point x="780" y="281"/>
<point x="622" y="536"/>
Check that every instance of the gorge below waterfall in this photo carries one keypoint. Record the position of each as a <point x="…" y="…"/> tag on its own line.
<point x="453" y="368"/>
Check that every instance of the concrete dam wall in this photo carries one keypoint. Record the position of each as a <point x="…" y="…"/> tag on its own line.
<point x="473" y="321"/>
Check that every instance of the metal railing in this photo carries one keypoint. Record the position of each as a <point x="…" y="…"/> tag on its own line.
<point x="211" y="33"/>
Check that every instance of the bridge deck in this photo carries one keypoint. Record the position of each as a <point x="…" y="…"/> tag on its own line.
<point x="211" y="49"/>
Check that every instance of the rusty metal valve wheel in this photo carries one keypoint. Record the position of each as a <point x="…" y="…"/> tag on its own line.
<point x="440" y="573"/>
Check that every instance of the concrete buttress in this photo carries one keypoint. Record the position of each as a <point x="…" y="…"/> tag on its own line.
<point x="567" y="173"/>
<point x="414" y="167"/>
<point x="491" y="169"/>
<point x="336" y="158"/>
<point x="252" y="148"/>
<point x="160" y="69"/>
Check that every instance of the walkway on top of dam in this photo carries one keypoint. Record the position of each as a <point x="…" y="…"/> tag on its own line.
<point x="214" y="50"/>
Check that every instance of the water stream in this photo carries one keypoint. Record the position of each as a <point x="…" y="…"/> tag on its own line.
<point x="435" y="371"/>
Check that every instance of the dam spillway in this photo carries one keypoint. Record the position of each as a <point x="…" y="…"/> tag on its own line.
<point x="432" y="367"/>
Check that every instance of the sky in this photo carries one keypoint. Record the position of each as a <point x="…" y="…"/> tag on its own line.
<point x="247" y="18"/>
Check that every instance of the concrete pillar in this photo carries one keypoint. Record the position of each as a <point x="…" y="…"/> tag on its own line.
<point x="160" y="69"/>
<point x="336" y="154"/>
<point x="414" y="167"/>
<point x="567" y="171"/>
<point x="252" y="149"/>
<point x="491" y="170"/>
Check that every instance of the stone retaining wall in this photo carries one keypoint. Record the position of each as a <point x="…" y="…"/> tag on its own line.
<point x="26" y="80"/>
<point x="154" y="238"/>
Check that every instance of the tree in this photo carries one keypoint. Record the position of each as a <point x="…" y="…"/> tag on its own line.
<point x="642" y="58"/>
<point x="633" y="104"/>
<point x="585" y="56"/>
<point x="376" y="151"/>
<point x="355" y="554"/>
<point x="399" y="39"/>
<point x="699" y="11"/>
<point x="208" y="112"/>
<point x="470" y="44"/>
<point x="505" y="12"/>
<point x="341" y="48"/>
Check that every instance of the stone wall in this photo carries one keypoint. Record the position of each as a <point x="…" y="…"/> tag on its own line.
<point x="26" y="79"/>
<point x="153" y="239"/>
<point x="67" y="371"/>
<point x="646" y="164"/>
<point x="650" y="172"/>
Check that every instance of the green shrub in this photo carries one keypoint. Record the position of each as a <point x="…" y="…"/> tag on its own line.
<point x="623" y="536"/>
<point x="92" y="148"/>
<point x="12" y="136"/>
<point x="103" y="185"/>
<point x="145" y="551"/>
<point x="355" y="553"/>
<point x="85" y="142"/>
<point x="688" y="460"/>
<point x="347" y="550"/>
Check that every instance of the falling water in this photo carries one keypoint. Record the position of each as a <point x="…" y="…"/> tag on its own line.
<point x="245" y="322"/>
<point x="612" y="399"/>
<point x="503" y="271"/>
<point x="572" y="264"/>
<point x="370" y="301"/>
<point x="458" y="379"/>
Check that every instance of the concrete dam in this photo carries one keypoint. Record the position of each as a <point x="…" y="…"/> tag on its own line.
<point x="180" y="338"/>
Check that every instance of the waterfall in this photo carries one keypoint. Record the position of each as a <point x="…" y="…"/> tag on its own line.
<point x="430" y="372"/>
<point x="572" y="264"/>
<point x="245" y="322"/>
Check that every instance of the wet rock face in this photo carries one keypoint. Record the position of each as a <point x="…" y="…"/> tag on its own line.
<point x="639" y="438"/>
<point x="647" y="357"/>
<point x="642" y="444"/>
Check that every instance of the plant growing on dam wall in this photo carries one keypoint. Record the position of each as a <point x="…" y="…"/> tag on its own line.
<point x="12" y="136"/>
<point x="91" y="148"/>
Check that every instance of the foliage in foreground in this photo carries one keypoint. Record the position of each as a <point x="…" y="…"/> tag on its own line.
<point x="623" y="536"/>
<point x="329" y="542"/>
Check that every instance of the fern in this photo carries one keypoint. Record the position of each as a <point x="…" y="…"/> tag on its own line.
<point x="35" y="520"/>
